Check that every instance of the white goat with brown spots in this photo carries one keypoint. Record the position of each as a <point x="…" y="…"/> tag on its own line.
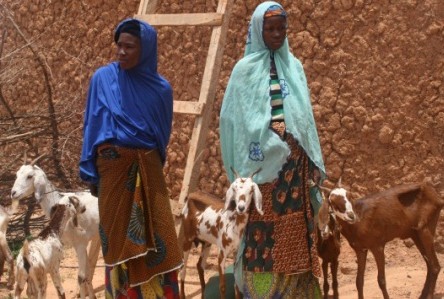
<point x="32" y="180"/>
<point x="208" y="220"/>
<point x="42" y="255"/>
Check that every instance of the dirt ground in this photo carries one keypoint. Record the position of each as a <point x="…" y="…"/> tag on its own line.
<point x="405" y="274"/>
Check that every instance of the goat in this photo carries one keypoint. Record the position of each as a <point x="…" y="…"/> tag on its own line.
<point x="403" y="211"/>
<point x="329" y="247"/>
<point x="5" y="252"/>
<point x="218" y="223"/>
<point x="42" y="255"/>
<point x="31" y="179"/>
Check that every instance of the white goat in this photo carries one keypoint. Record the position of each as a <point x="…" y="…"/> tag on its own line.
<point x="217" y="223"/>
<point x="42" y="255"/>
<point x="31" y="179"/>
<point x="5" y="252"/>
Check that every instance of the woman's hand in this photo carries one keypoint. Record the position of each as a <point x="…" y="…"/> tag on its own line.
<point x="94" y="189"/>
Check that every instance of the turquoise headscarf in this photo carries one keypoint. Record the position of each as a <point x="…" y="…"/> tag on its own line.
<point x="247" y="143"/>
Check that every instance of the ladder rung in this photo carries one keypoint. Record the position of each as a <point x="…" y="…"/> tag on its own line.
<point x="188" y="107"/>
<point x="191" y="19"/>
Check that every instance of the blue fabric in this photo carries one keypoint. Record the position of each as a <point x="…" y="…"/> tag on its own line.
<point x="247" y="143"/>
<point x="131" y="108"/>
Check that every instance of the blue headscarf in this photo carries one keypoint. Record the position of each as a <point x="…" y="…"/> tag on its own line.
<point x="131" y="108"/>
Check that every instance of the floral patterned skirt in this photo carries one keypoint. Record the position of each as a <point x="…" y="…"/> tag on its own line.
<point x="280" y="254"/>
<point x="138" y="236"/>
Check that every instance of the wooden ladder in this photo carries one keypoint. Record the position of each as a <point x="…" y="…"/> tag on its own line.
<point x="202" y="108"/>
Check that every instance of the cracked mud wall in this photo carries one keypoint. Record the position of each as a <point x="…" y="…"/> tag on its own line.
<point x="375" y="71"/>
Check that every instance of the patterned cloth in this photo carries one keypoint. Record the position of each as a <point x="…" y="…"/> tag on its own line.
<point x="282" y="242"/>
<point x="280" y="286"/>
<point x="275" y="10"/>
<point x="136" y="223"/>
<point x="283" y="239"/>
<point x="163" y="286"/>
<point x="277" y="101"/>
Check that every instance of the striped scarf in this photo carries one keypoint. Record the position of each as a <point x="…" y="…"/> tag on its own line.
<point x="277" y="101"/>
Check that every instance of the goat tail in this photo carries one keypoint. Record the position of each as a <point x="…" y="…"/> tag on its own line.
<point x="25" y="254"/>
<point x="430" y="192"/>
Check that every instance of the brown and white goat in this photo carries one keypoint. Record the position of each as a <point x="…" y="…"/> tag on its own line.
<point x="404" y="211"/>
<point x="42" y="255"/>
<point x="32" y="180"/>
<point x="208" y="220"/>
<point x="329" y="247"/>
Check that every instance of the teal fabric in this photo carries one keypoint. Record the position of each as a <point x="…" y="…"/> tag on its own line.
<point x="212" y="286"/>
<point x="247" y="143"/>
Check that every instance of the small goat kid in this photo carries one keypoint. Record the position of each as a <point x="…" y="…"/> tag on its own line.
<point x="32" y="180"/>
<point x="42" y="255"/>
<point x="329" y="247"/>
<point x="404" y="211"/>
<point x="218" y="223"/>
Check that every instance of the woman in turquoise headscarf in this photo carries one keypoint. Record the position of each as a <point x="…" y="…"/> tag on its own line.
<point x="267" y="122"/>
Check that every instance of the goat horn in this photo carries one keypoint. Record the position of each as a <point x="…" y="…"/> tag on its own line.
<point x="25" y="157"/>
<point x="235" y="172"/>
<point x="36" y="159"/>
<point x="340" y="182"/>
<point x="324" y="189"/>
<point x="257" y="171"/>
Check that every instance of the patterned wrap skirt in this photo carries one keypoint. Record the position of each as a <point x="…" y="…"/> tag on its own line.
<point x="280" y="258"/>
<point x="139" y="242"/>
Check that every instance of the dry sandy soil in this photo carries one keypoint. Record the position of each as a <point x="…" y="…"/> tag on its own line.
<point x="405" y="272"/>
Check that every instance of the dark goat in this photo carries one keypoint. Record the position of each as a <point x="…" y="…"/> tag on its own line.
<point x="404" y="211"/>
<point x="329" y="247"/>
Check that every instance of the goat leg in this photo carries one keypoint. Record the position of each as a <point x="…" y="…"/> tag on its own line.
<point x="93" y="255"/>
<point x="362" y="260"/>
<point x="202" y="263"/>
<point x="57" y="281"/>
<point x="11" y="278"/>
<point x="378" y="253"/>
<point x="183" y="273"/>
<point x="83" y="268"/>
<point x="424" y="242"/>
<point x="325" y="273"/>
<point x="334" y="273"/>
<point x="6" y="254"/>
<point x="221" y="267"/>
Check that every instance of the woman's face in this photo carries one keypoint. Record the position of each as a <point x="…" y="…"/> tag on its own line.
<point x="274" y="32"/>
<point x="128" y="50"/>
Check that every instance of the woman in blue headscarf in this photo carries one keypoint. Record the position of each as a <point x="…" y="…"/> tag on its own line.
<point x="267" y="123"/>
<point x="127" y="126"/>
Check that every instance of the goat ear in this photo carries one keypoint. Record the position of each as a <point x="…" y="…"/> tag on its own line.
<point x="229" y="197"/>
<point x="39" y="187"/>
<point x="258" y="199"/>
